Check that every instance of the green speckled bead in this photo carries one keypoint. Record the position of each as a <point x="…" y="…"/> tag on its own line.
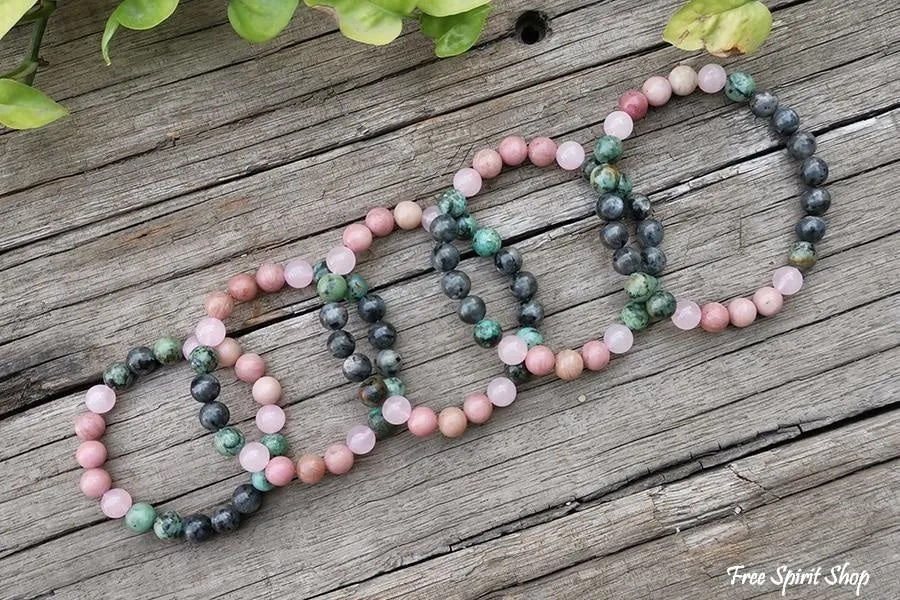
<point x="395" y="386"/>
<point x="587" y="167"/>
<point x="382" y="428"/>
<point x="167" y="526"/>
<point x="487" y="333"/>
<point x="640" y="286"/>
<point x="118" y="376"/>
<point x="661" y="305"/>
<point x="466" y="226"/>
<point x="532" y="336"/>
<point x="487" y="242"/>
<point x="802" y="255"/>
<point x="739" y="87"/>
<point x="518" y="374"/>
<point x="276" y="443"/>
<point x="635" y="316"/>
<point x="625" y="186"/>
<point x="452" y="203"/>
<point x="167" y="350"/>
<point x="258" y="480"/>
<point x="140" y="517"/>
<point x="357" y="286"/>
<point x="320" y="269"/>
<point x="204" y="359"/>
<point x="608" y="149"/>
<point x="605" y="178"/>
<point x="228" y="441"/>
<point x="332" y="288"/>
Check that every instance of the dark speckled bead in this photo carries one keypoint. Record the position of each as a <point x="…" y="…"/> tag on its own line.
<point x="814" y="171"/>
<point x="625" y="186"/>
<point x="214" y="416"/>
<point x="608" y="149"/>
<point x="802" y="145"/>
<point x="487" y="242"/>
<point x="739" y="87"/>
<point x="508" y="260"/>
<point x="371" y="308"/>
<point x="639" y="206"/>
<point x="466" y="226"/>
<point x="523" y="286"/>
<point x="228" y="441"/>
<point x="626" y="260"/>
<point x="614" y="234"/>
<point x="456" y="285"/>
<point x="246" y="499"/>
<point x="375" y="421"/>
<point x="168" y="525"/>
<point x="635" y="316"/>
<point x="587" y="167"/>
<point x="320" y="269"/>
<point x="516" y="373"/>
<point x="118" y="376"/>
<point x="341" y="344"/>
<point x="661" y="305"/>
<point x="605" y="178"/>
<point x="487" y="333"/>
<point x="452" y="203"/>
<point x="225" y="518"/>
<point x="141" y="361"/>
<point x="357" y="367"/>
<point x="640" y="286"/>
<point x="357" y="286"/>
<point x="530" y="314"/>
<point x="610" y="207"/>
<point x="802" y="255"/>
<point x="532" y="336"/>
<point x="382" y="335"/>
<point x="276" y="443"/>
<point x="785" y="121"/>
<point x="167" y="350"/>
<point x="650" y="233"/>
<point x="653" y="260"/>
<point x="333" y="316"/>
<point x="204" y="359"/>
<point x="197" y="528"/>
<point x="471" y="310"/>
<point x="443" y="228"/>
<point x="388" y="362"/>
<point x="811" y="229"/>
<point x="373" y="391"/>
<point x="763" y="103"/>
<point x="816" y="201"/>
<point x="445" y="257"/>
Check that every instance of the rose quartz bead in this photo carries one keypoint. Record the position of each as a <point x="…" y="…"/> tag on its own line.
<point x="408" y="215"/>
<point x="266" y="390"/>
<point x="254" y="457"/>
<point x="242" y="287"/>
<point x="396" y="410"/>
<point x="94" y="483"/>
<point x="360" y="439"/>
<point x="787" y="280"/>
<point x="357" y="237"/>
<point x="635" y="104"/>
<point x="249" y="367"/>
<point x="658" y="90"/>
<point x="540" y="361"/>
<point x="478" y="408"/>
<point x="501" y="391"/>
<point x="380" y="221"/>
<point x="714" y="317"/>
<point x="298" y="273"/>
<point x="428" y="216"/>
<point x="90" y="454"/>
<point x="711" y="78"/>
<point x="89" y="426"/>
<point x="488" y="163"/>
<point x="542" y="151"/>
<point x="742" y="312"/>
<point x="570" y="155"/>
<point x="683" y="80"/>
<point x="188" y="346"/>
<point x="280" y="471"/>
<point x="210" y="331"/>
<point x="569" y="365"/>
<point x="100" y="399"/>
<point x="115" y="503"/>
<point x="270" y="277"/>
<point x="219" y="305"/>
<point x="595" y="355"/>
<point x="513" y="150"/>
<point x="270" y="418"/>
<point x="467" y="181"/>
<point x="768" y="301"/>
<point x="340" y="260"/>
<point x="618" y="338"/>
<point x="311" y="468"/>
<point x="228" y="352"/>
<point x="512" y="350"/>
<point x="687" y="315"/>
<point x="338" y="459"/>
<point x="452" y="422"/>
<point x="422" y="421"/>
<point x="618" y="124"/>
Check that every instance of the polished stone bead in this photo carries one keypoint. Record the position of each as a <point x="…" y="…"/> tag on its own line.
<point x="205" y="388"/>
<point x="452" y="203"/>
<point x="518" y="374"/>
<point x="802" y="255"/>
<point x="445" y="257"/>
<point x="381" y="428"/>
<point x="214" y="416"/>
<point x="635" y="316"/>
<point x="197" y="528"/>
<point x="650" y="233"/>
<point x="626" y="260"/>
<point x="357" y="367"/>
<point x="140" y="517"/>
<point x="456" y="285"/>
<point x="395" y="386"/>
<point x="357" y="286"/>
<point x="532" y="336"/>
<point x="333" y="316"/>
<point x="785" y="121"/>
<point x="332" y="288"/>
<point x="487" y="242"/>
<point x="508" y="260"/>
<point x="204" y="360"/>
<point x="587" y="167"/>
<point x="341" y="344"/>
<point x="523" y="286"/>
<point x="739" y="87"/>
<point x="373" y="391"/>
<point x="141" y="361"/>
<point x="471" y="310"/>
<point x="382" y="335"/>
<point x="639" y="206"/>
<point x="246" y="499"/>
<point x="388" y="362"/>
<point x="228" y="441"/>
<point x="763" y="103"/>
<point x="608" y="149"/>
<point x="466" y="226"/>
<point x="653" y="260"/>
<point x="530" y="314"/>
<point x="614" y="234"/>
<point x="802" y="145"/>
<point x="814" y="171"/>
<point x="258" y="480"/>
<point x="625" y="186"/>
<point x="443" y="228"/>
<point x="487" y="333"/>
<point x="167" y="526"/>
<point x="661" y="305"/>
<point x="371" y="308"/>
<point x="610" y="207"/>
<point x="167" y="350"/>
<point x="640" y="286"/>
<point x="276" y="443"/>
<point x="605" y="178"/>
<point x="320" y="269"/>
<point x="811" y="229"/>
<point x="225" y="518"/>
<point x="118" y="376"/>
<point x="815" y="201"/>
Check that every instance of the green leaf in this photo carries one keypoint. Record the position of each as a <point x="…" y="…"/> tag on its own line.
<point x="457" y="33"/>
<point x="23" y="107"/>
<point x="138" y="15"/>
<point x="445" y="8"/>
<point x="723" y="27"/>
<point x="10" y="13"/>
<point x="259" y="21"/>
<point x="376" y="22"/>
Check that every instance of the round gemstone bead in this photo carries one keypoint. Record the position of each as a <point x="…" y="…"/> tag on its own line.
<point x="396" y="410"/>
<point x="488" y="163"/>
<point x="816" y="201"/>
<point x="118" y="376"/>
<point x="614" y="235"/>
<point x="635" y="104"/>
<point x="763" y="103"/>
<point x="298" y="273"/>
<point x="661" y="305"/>
<point x="587" y="167"/>
<point x="228" y="441"/>
<point x="640" y="206"/>
<point x="802" y="255"/>
<point x="228" y="352"/>
<point x="100" y="399"/>
<point x="742" y="312"/>
<point x="246" y="499"/>
<point x="94" y="483"/>
<point x="650" y="233"/>
<point x="625" y="186"/>
<point x="627" y="260"/>
<point x="203" y="359"/>
<point x="380" y="222"/>
<point x="467" y="181"/>
<point x="422" y="421"/>
<point x="395" y="386"/>
<point x="516" y="373"/>
<point x="512" y="350"/>
<point x="605" y="178"/>
<point x="341" y="344"/>
<point x="466" y="226"/>
<point x="785" y="120"/>
<point x="595" y="355"/>
<point x="635" y="316"/>
<point x="618" y="338"/>
<point x="811" y="229"/>
<point x="683" y="80"/>
<point x="270" y="418"/>
<point x="570" y="155"/>
<point x="531" y="336"/>
<point x="802" y="145"/>
<point x="540" y="361"/>
<point x="197" y="528"/>
<point x="787" y="280"/>
<point x="89" y="426"/>
<point x="658" y="90"/>
<point x="168" y="525"/>
<point x="443" y="228"/>
<point x="376" y="422"/>
<point x="311" y="469"/>
<point x="608" y="149"/>
<point x="210" y="331"/>
<point x="687" y="315"/>
<point x="523" y="286"/>
<point x="258" y="480"/>
<point x="478" y="408"/>
<point x="814" y="171"/>
<point x="530" y="314"/>
<point x="280" y="471"/>
<point x="357" y="367"/>
<point x="618" y="123"/>
<point x="711" y="78"/>
<point x="501" y="391"/>
<point x="167" y="350"/>
<point x="225" y="518"/>
<point x="360" y="439"/>
<point x="653" y="260"/>
<point x="254" y="457"/>
<point x="408" y="215"/>
<point x="320" y="269"/>
<point x="428" y="217"/>
<point x="214" y="416"/>
<point x="332" y="287"/>
<point x="445" y="257"/>
<point x="640" y="286"/>
<point x="140" y="517"/>
<point x="115" y="503"/>
<point x="471" y="310"/>
<point x="768" y="301"/>
<point x="382" y="335"/>
<point x="542" y="151"/>
<point x="452" y="422"/>
<point x="371" y="308"/>
<point x="508" y="260"/>
<point x="205" y="388"/>
<point x="714" y="317"/>
<point x="487" y="242"/>
<point x="340" y="260"/>
<point x="513" y="150"/>
<point x="739" y="87"/>
<point x="610" y="207"/>
<point x="456" y="285"/>
<point x="388" y="362"/>
<point x="141" y="361"/>
<point x="276" y="443"/>
<point x="188" y="346"/>
<point x="219" y="305"/>
<point x="569" y="365"/>
<point x="357" y="237"/>
<point x="372" y="392"/>
<point x="249" y="367"/>
<point x="266" y="390"/>
<point x="242" y="287"/>
<point x="452" y="203"/>
<point x="270" y="277"/>
<point x="90" y="454"/>
<point x="487" y="333"/>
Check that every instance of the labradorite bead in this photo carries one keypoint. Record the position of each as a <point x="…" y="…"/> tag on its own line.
<point x="785" y="121"/>
<point x="141" y="361"/>
<point x="443" y="228"/>
<point x="639" y="206"/>
<point x="626" y="260"/>
<point x="225" y="518"/>
<point x="452" y="203"/>
<point x="649" y="233"/>
<point x="197" y="528"/>
<point x="605" y="178"/>
<point x="333" y="316"/>
<point x="228" y="441"/>
<point x="332" y="288"/>
<point x="661" y="305"/>
<point x="357" y="286"/>
<point x="523" y="286"/>
<point x="739" y="87"/>
<point x="508" y="260"/>
<point x="587" y="167"/>
<point x="378" y="425"/>
<point x="487" y="242"/>
<point x="388" y="362"/>
<point x="276" y="443"/>
<point x="640" y="286"/>
<point x="167" y="350"/>
<point x="530" y="314"/>
<point x="373" y="391"/>
<point x="811" y="229"/>
<point x="371" y="308"/>
<point x="320" y="269"/>
<point x="341" y="344"/>
<point x="653" y="260"/>
<point x="205" y="388"/>
<point x="456" y="285"/>
<point x="382" y="335"/>
<point x="532" y="336"/>
<point x="763" y="103"/>
<point x="214" y="416"/>
<point x="814" y="171"/>
<point x="635" y="316"/>
<point x="487" y="333"/>
<point x="140" y="517"/>
<point x="258" y="481"/>
<point x="445" y="257"/>
<point x="466" y="226"/>
<point x="167" y="526"/>
<point x="516" y="373"/>
<point x="816" y="201"/>
<point x="610" y="207"/>
<point x="608" y="149"/>
<point x="357" y="367"/>
<point x="614" y="234"/>
<point x="204" y="360"/>
<point x="471" y="310"/>
<point x="802" y="145"/>
<point x="246" y="499"/>
<point x="395" y="386"/>
<point x="118" y="376"/>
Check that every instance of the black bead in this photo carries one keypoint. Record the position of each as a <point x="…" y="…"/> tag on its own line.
<point x="382" y="335"/>
<point x="653" y="261"/>
<point x="523" y="286"/>
<point x="531" y="314"/>
<point x="471" y="310"/>
<point x="640" y="207"/>
<point x="614" y="234"/>
<point x="214" y="415"/>
<point x="811" y="229"/>
<point x="197" y="528"/>
<point x="785" y="121"/>
<point x="205" y="388"/>
<point x="341" y="344"/>
<point x="816" y="201"/>
<point x="456" y="285"/>
<point x="445" y="257"/>
<point x="372" y="392"/>
<point x="371" y="308"/>
<point x="141" y="361"/>
<point x="802" y="145"/>
<point x="763" y="103"/>
<point x="517" y="373"/>
<point x="610" y="207"/>
<point x="814" y="171"/>
<point x="333" y="316"/>
<point x="508" y="260"/>
<point x="650" y="233"/>
<point x="225" y="518"/>
<point x="626" y="260"/>
<point x="388" y="362"/>
<point x="246" y="499"/>
<point x="357" y="367"/>
<point x="443" y="228"/>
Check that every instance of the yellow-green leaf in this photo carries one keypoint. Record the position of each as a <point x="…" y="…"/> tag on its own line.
<point x="445" y="8"/>
<point x="367" y="21"/>
<point x="722" y="27"/>
<point x="138" y="15"/>
<point x="457" y="33"/>
<point x="259" y="21"/>
<point x="10" y="13"/>
<point x="23" y="107"/>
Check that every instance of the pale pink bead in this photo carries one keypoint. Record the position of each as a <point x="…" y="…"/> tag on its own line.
<point x="89" y="426"/>
<point x="618" y="124"/>
<point x="768" y="301"/>
<point x="742" y="312"/>
<point x="683" y="80"/>
<point x="94" y="483"/>
<point x="512" y="350"/>
<point x="298" y="273"/>
<point x="422" y="421"/>
<point x="787" y="280"/>
<point x="513" y="150"/>
<point x="467" y="181"/>
<point x="90" y="454"/>
<point x="357" y="237"/>
<point x="714" y="317"/>
<point x="658" y="90"/>
<point x="249" y="367"/>
<point x="228" y="352"/>
<point x="270" y="418"/>
<point x="687" y="315"/>
<point x="219" y="305"/>
<point x="280" y="471"/>
<point x="428" y="216"/>
<point x="115" y="503"/>
<point x="501" y="391"/>
<point x="396" y="410"/>
<point x="542" y="151"/>
<point x="618" y="338"/>
<point x="380" y="221"/>
<point x="408" y="215"/>
<point x="210" y="332"/>
<point x="338" y="459"/>
<point x="595" y="355"/>
<point x="189" y="345"/>
<point x="270" y="277"/>
<point x="570" y="155"/>
<point x="488" y="163"/>
<point x="711" y="78"/>
<point x="340" y="260"/>
<point x="266" y="390"/>
<point x="478" y="408"/>
<point x="254" y="457"/>
<point x="100" y="399"/>
<point x="360" y="439"/>
<point x="540" y="361"/>
<point x="635" y="104"/>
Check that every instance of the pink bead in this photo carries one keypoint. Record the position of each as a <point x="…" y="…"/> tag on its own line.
<point x="488" y="163"/>
<point x="618" y="124"/>
<point x="714" y="317"/>
<point x="618" y="338"/>
<point x="249" y="367"/>
<point x="115" y="503"/>
<point x="711" y="78"/>
<point x="254" y="457"/>
<point x="542" y="151"/>
<point x="360" y="439"/>
<point x="742" y="312"/>
<point x="467" y="181"/>
<point x="242" y="287"/>
<point x="266" y="390"/>
<point x="595" y="355"/>
<point x="570" y="155"/>
<point x="540" y="361"/>
<point x="311" y="468"/>
<point x="280" y="471"/>
<point x="569" y="365"/>
<point x="408" y="215"/>
<point x="357" y="237"/>
<point x="270" y="277"/>
<point x="687" y="315"/>
<point x="396" y="410"/>
<point x="270" y="418"/>
<point x="380" y="221"/>
<point x="658" y="90"/>
<point x="512" y="350"/>
<point x="635" y="104"/>
<point x="228" y="352"/>
<point x="100" y="399"/>
<point x="768" y="301"/>
<point x="90" y="454"/>
<point x="188" y="346"/>
<point x="210" y="332"/>
<point x="501" y="391"/>
<point x="683" y="80"/>
<point x="787" y="280"/>
<point x="452" y="422"/>
<point x="219" y="305"/>
<point x="428" y="216"/>
<point x="478" y="408"/>
<point x="338" y="459"/>
<point x="89" y="426"/>
<point x="94" y="483"/>
<point x="513" y="150"/>
<point x="340" y="260"/>
<point x="298" y="273"/>
<point x="422" y="421"/>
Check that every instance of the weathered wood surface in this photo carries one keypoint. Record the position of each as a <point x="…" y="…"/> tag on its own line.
<point x="195" y="156"/>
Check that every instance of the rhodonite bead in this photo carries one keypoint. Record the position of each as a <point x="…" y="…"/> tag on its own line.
<point x="619" y="124"/>
<point x="167" y="350"/>
<point x="467" y="181"/>
<point x="388" y="362"/>
<point x="371" y="308"/>
<point x="333" y="316"/>
<point x="115" y="503"/>
<point x="407" y="215"/>
<point x="357" y="237"/>
<point x="140" y="517"/>
<point x="205" y="388"/>
<point x="422" y="421"/>
<point x="471" y="310"/>
<point x="228" y="441"/>
<point x="310" y="469"/>
<point x="443" y="229"/>
<point x="478" y="408"/>
<point x="532" y="337"/>
<point x="270" y="277"/>
<point x="210" y="332"/>
<point x="338" y="459"/>
<point x="618" y="338"/>
<point x="639" y="206"/>
<point x="197" y="528"/>
<point x="341" y="344"/>
<point x="249" y="367"/>
<point x="683" y="80"/>
<point x="372" y="392"/>
<point x="280" y="471"/>
<point x="379" y="426"/>
<point x="635" y="316"/>
<point x="785" y="121"/>
<point x="395" y="386"/>
<point x="614" y="234"/>
<point x="661" y="305"/>
<point x="516" y="373"/>
<point x="357" y="286"/>
<point x="814" y="171"/>
<point x="141" y="361"/>
<point x="714" y="317"/>
<point x="540" y="361"/>
<point x="360" y="439"/>
<point x="118" y="376"/>
<point x="711" y="78"/>
<point x="802" y="255"/>
<point x="501" y="392"/>
<point x="626" y="260"/>
<point x="487" y="333"/>
<point x="687" y="315"/>
<point x="332" y="287"/>
<point x="246" y="499"/>
<point x="657" y="89"/>
<point x="649" y="233"/>
<point x="487" y="242"/>
<point x="382" y="335"/>
<point x="452" y="203"/>
<point x="802" y="145"/>
<point x="569" y="156"/>
<point x="742" y="312"/>
<point x="445" y="257"/>
<point x="242" y="287"/>
<point x="768" y="301"/>
<point x="523" y="286"/>
<point x="653" y="260"/>
<point x="542" y="151"/>
<point x="488" y="163"/>
<point x="380" y="221"/>
<point x="89" y="426"/>
<point x="763" y="103"/>
<point x="228" y="352"/>
<point x="739" y="87"/>
<point x="357" y="367"/>
<point x="219" y="305"/>
<point x="298" y="273"/>
<point x="635" y="104"/>
<point x="276" y="443"/>
<point x="203" y="359"/>
<point x="508" y="260"/>
<point x="168" y="525"/>
<point x="595" y="355"/>
<point x="100" y="399"/>
<point x="214" y="416"/>
<point x="811" y="229"/>
<point x="511" y="350"/>
<point x="610" y="207"/>
<point x="94" y="483"/>
<point x="640" y="286"/>
<point x="569" y="365"/>
<point x="513" y="150"/>
<point x="452" y="422"/>
<point x="225" y="518"/>
<point x="466" y="226"/>
<point x="815" y="201"/>
<point x="787" y="280"/>
<point x="90" y="454"/>
<point x="456" y="285"/>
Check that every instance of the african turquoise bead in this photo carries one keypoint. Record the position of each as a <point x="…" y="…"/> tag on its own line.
<point x="118" y="376"/>
<point x="276" y="443"/>
<point x="487" y="333"/>
<point x="466" y="226"/>
<point x="802" y="255"/>
<point x="487" y="242"/>
<point x="640" y="286"/>
<point x="739" y="87"/>
<point x="605" y="178"/>
<point x="608" y="149"/>
<point x="517" y="373"/>
<point x="357" y="286"/>
<point x="635" y="316"/>
<point x="167" y="526"/>
<point x="228" y="441"/>
<point x="204" y="360"/>
<point x="320" y="269"/>
<point x="167" y="350"/>
<point x="377" y="423"/>
<point x="395" y="386"/>
<point x="258" y="481"/>
<point x="587" y="167"/>
<point x="625" y="185"/>
<point x="661" y="305"/>
<point x="532" y="336"/>
<point x="452" y="203"/>
<point x="373" y="391"/>
<point x="140" y="517"/>
<point x="332" y="288"/>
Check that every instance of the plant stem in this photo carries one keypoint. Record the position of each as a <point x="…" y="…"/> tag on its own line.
<point x="40" y="25"/>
